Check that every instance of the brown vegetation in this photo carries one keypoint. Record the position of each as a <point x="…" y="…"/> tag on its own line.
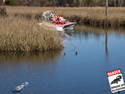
<point x="22" y="35"/>
<point x="3" y="11"/>
<point x="93" y="16"/>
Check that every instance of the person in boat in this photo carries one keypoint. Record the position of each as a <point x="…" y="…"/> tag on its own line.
<point x="62" y="20"/>
<point x="50" y="17"/>
<point x="58" y="20"/>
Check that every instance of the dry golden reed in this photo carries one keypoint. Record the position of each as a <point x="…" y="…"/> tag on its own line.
<point x="114" y="12"/>
<point x="22" y="35"/>
<point x="93" y="16"/>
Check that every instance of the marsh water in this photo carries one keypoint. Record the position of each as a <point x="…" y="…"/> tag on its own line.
<point x="80" y="68"/>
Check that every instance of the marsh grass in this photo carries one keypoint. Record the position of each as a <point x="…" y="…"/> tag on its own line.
<point x="22" y="35"/>
<point x="93" y="16"/>
<point x="20" y="32"/>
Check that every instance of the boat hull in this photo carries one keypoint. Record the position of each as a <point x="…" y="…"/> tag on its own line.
<point x="60" y="27"/>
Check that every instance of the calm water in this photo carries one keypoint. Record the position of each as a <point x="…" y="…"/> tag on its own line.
<point x="54" y="73"/>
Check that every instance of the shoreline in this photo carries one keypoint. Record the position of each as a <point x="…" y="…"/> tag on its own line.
<point x="85" y="20"/>
<point x="91" y="16"/>
<point x="95" y="22"/>
<point x="21" y="22"/>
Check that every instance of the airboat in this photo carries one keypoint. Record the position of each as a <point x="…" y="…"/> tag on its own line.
<point x="56" y="22"/>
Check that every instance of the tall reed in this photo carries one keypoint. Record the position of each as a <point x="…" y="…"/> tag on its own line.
<point x="22" y="35"/>
<point x="92" y="16"/>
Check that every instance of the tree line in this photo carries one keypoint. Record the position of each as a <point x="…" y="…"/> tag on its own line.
<point x="65" y="3"/>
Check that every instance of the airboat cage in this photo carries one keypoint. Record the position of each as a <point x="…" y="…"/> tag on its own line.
<point x="47" y="15"/>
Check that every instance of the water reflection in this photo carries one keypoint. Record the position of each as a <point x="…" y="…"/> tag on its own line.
<point x="99" y="51"/>
<point x="88" y="32"/>
<point x="37" y="57"/>
<point x="106" y="44"/>
<point x="16" y="68"/>
<point x="66" y="34"/>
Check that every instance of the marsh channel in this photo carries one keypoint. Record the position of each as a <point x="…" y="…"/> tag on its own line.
<point x="80" y="68"/>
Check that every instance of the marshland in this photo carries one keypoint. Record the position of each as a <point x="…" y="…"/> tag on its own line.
<point x="99" y="50"/>
<point x="19" y="34"/>
<point x="66" y="62"/>
<point x="91" y="16"/>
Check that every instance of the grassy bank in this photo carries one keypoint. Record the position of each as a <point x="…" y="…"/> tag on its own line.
<point x="92" y="16"/>
<point x="22" y="35"/>
<point x="82" y="28"/>
<point x="20" y="32"/>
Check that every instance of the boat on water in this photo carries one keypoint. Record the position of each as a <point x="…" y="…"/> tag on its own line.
<point x="56" y="22"/>
<point x="59" y="27"/>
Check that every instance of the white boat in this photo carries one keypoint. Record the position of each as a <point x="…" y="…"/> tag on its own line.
<point x="57" y="25"/>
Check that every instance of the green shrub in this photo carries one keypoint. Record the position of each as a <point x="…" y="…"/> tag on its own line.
<point x="12" y="2"/>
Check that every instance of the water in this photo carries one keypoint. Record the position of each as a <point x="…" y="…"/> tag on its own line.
<point x="54" y="73"/>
